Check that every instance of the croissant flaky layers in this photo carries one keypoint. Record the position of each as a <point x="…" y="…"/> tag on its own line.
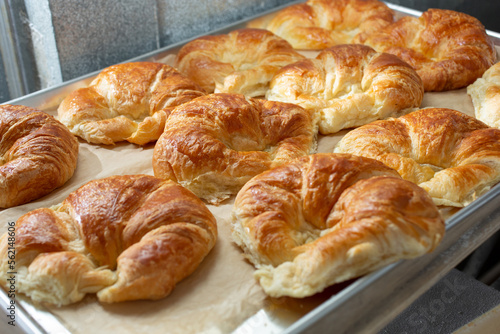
<point x="126" y="102"/>
<point x="326" y="218"/>
<point x="453" y="156"/>
<point x="319" y="24"/>
<point x="485" y="95"/>
<point x="243" y="61"/>
<point x="349" y="85"/>
<point x="212" y="145"/>
<point x="448" y="49"/>
<point x="123" y="237"/>
<point x="37" y="154"/>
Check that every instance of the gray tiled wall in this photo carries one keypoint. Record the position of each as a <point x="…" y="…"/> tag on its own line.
<point x="181" y="20"/>
<point x="92" y="34"/>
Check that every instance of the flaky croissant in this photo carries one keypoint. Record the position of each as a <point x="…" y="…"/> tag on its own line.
<point x="243" y="61"/>
<point x="37" y="154"/>
<point x="215" y="143"/>
<point x="123" y="237"/>
<point x="326" y="218"/>
<point x="448" y="49"/>
<point x="319" y="24"/>
<point x="126" y="102"/>
<point x="485" y="94"/>
<point x="349" y="85"/>
<point x="455" y="157"/>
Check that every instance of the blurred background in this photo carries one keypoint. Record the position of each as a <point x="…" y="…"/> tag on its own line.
<point x="44" y="43"/>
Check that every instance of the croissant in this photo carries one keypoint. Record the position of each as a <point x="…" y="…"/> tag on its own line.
<point x="123" y="237"/>
<point x="215" y="143"/>
<point x="349" y="85"/>
<point x="448" y="49"/>
<point x="485" y="94"/>
<point x="454" y="157"/>
<point x="243" y="61"/>
<point x="126" y="102"/>
<point x="326" y="218"/>
<point x="319" y="24"/>
<point x="37" y="154"/>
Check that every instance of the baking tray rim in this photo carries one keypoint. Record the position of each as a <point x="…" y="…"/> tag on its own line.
<point x="456" y="240"/>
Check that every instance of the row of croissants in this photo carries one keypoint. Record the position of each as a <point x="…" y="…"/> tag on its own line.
<point x="238" y="116"/>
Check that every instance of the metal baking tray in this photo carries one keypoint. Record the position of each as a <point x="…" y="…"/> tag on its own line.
<point x="363" y="306"/>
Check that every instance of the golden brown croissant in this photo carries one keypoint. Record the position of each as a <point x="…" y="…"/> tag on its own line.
<point x="37" y="154"/>
<point x="318" y="24"/>
<point x="243" y="61"/>
<point x="215" y="143"/>
<point x="349" y="85"/>
<point x="485" y="94"/>
<point x="326" y="218"/>
<point x="455" y="157"/>
<point x="123" y="237"/>
<point x="448" y="49"/>
<point x="127" y="101"/>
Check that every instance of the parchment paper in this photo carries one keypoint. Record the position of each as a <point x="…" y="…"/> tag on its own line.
<point x="222" y="292"/>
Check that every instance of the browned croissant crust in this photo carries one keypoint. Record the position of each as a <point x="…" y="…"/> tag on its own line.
<point x="485" y="94"/>
<point x="326" y="218"/>
<point x="37" y="154"/>
<point x="126" y="102"/>
<point x="349" y="85"/>
<point x="243" y="61"/>
<point x="123" y="237"/>
<point x="455" y="157"/>
<point x="215" y="143"/>
<point x="318" y="24"/>
<point x="448" y="49"/>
